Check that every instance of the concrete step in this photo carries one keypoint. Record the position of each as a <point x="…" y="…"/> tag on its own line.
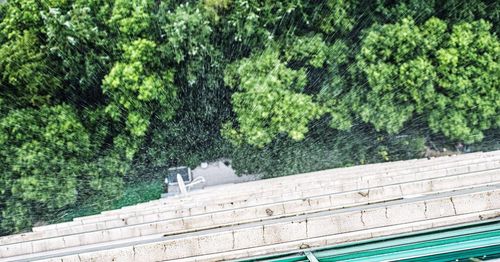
<point x="296" y="191"/>
<point x="165" y="212"/>
<point x="319" y="189"/>
<point x="408" y="189"/>
<point x="255" y="188"/>
<point x="251" y="186"/>
<point x="338" y="239"/>
<point x="173" y="212"/>
<point x="278" y="194"/>
<point x="273" y="210"/>
<point x="352" y="171"/>
<point x="453" y="207"/>
<point x="262" y="184"/>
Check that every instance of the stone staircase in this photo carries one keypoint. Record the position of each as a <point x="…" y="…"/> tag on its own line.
<point x="255" y="218"/>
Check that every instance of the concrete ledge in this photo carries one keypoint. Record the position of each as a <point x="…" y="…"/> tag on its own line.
<point x="379" y="168"/>
<point x="290" y="209"/>
<point x="279" y="194"/>
<point x="123" y="228"/>
<point x="235" y="193"/>
<point x="303" y="227"/>
<point x="342" y="238"/>
<point x="349" y="183"/>
<point x="263" y="184"/>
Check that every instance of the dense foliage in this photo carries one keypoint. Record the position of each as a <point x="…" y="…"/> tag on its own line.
<point x="442" y="76"/>
<point x="97" y="95"/>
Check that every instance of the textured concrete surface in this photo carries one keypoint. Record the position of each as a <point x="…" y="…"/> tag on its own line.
<point x="327" y="201"/>
<point x="308" y="226"/>
<point x="302" y="182"/>
<point x="293" y="191"/>
<point x="261" y="217"/>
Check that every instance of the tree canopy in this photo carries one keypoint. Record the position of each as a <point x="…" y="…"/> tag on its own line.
<point x="449" y="76"/>
<point x="96" y="95"/>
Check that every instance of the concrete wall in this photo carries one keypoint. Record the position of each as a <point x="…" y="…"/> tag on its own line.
<point x="332" y="226"/>
<point x="263" y="216"/>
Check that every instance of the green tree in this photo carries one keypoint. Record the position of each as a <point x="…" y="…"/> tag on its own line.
<point x="186" y="40"/>
<point x="132" y="18"/>
<point x="21" y="15"/>
<point x="325" y="66"/>
<point x="78" y="37"/>
<point x="27" y="74"/>
<point x="3" y="11"/>
<point x="457" y="11"/>
<point x="138" y="93"/>
<point x="108" y="166"/>
<point x="385" y="11"/>
<point x="139" y="84"/>
<point x="188" y="44"/>
<point x="468" y="67"/>
<point x="335" y="16"/>
<point x="268" y="100"/>
<point x="42" y="157"/>
<point x="246" y="25"/>
<point x="449" y="78"/>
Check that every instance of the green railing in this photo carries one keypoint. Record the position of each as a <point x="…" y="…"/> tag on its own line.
<point x="470" y="242"/>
